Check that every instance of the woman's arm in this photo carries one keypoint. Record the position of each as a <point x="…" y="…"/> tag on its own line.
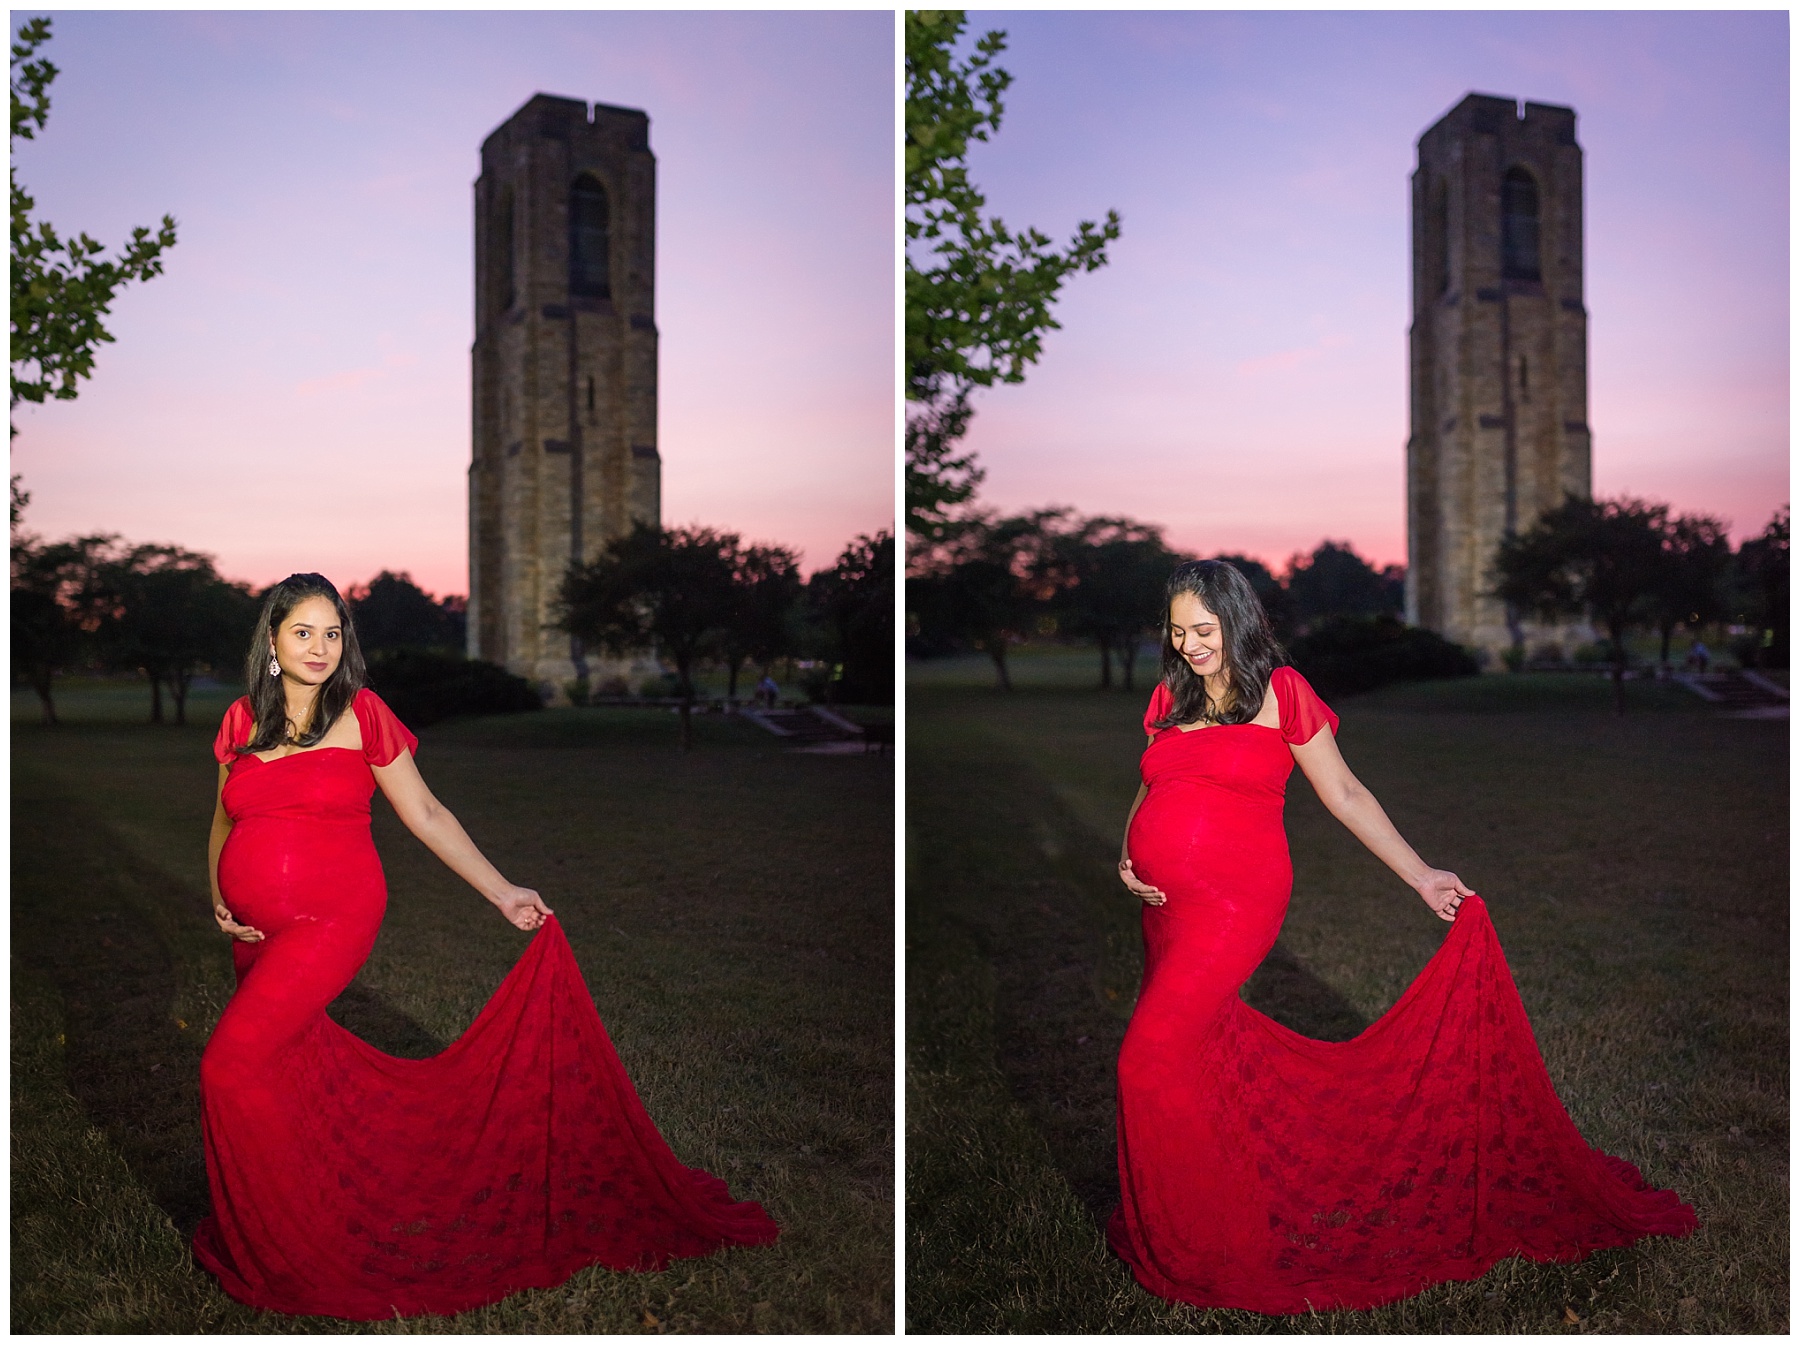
<point x="221" y="828"/>
<point x="444" y="836"/>
<point x="1150" y="896"/>
<point x="1349" y="800"/>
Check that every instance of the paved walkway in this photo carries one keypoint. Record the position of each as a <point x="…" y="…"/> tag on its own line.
<point x="813" y="728"/>
<point x="1741" y="695"/>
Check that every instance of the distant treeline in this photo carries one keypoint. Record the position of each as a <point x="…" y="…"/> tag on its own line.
<point x="700" y="598"/>
<point x="986" y="583"/>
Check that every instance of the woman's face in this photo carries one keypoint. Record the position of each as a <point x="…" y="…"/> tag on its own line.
<point x="310" y="642"/>
<point x="1196" y="635"/>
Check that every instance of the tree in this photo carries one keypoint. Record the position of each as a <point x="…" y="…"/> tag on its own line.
<point x="854" y="600"/>
<point x="55" y="615"/>
<point x="1596" y="558"/>
<point x="765" y="588"/>
<point x="1690" y="587"/>
<point x="61" y="287"/>
<point x="1276" y="602"/>
<point x="671" y="588"/>
<point x="169" y="614"/>
<point x="1109" y="575"/>
<point x="981" y="585"/>
<point x="979" y="305"/>
<point x="1335" y="581"/>
<point x="392" y="612"/>
<point x="1761" y="584"/>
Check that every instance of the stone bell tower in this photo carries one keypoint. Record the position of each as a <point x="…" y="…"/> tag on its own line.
<point x="564" y="376"/>
<point x="1499" y="429"/>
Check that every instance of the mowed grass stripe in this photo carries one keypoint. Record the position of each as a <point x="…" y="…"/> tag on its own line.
<point x="1636" y="871"/>
<point x="731" y="912"/>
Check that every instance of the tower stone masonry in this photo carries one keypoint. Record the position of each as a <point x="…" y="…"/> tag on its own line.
<point x="1498" y="354"/>
<point x="564" y="369"/>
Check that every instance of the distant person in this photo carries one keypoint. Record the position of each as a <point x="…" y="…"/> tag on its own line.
<point x="1259" y="1169"/>
<point x="767" y="692"/>
<point x="1698" y="657"/>
<point x="346" y="1183"/>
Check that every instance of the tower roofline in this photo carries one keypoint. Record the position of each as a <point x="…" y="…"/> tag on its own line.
<point x="551" y="113"/>
<point x="1488" y="112"/>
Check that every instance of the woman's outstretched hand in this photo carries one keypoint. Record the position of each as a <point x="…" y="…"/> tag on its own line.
<point x="1443" y="892"/>
<point x="241" y="932"/>
<point x="521" y="906"/>
<point x="1150" y="896"/>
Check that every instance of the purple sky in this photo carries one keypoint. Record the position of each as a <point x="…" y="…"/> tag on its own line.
<point x="1238" y="372"/>
<point x="293" y="392"/>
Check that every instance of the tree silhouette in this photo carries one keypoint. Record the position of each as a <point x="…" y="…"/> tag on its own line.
<point x="978" y="294"/>
<point x="61" y="287"/>
<point x="1596" y="558"/>
<point x="668" y="587"/>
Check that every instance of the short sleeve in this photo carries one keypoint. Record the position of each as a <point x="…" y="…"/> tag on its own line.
<point x="384" y="736"/>
<point x="234" y="731"/>
<point x="1160" y="702"/>
<point x="1302" y="712"/>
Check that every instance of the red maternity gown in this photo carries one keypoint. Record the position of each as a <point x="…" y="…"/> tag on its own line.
<point x="352" y="1184"/>
<point x="1260" y="1169"/>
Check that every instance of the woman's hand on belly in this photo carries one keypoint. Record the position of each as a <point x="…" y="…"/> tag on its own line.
<point x="1150" y="896"/>
<point x="242" y="932"/>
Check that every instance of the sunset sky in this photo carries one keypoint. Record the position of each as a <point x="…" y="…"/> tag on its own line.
<point x="1238" y="372"/>
<point x="293" y="392"/>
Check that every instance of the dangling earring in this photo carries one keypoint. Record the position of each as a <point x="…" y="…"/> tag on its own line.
<point x="274" y="665"/>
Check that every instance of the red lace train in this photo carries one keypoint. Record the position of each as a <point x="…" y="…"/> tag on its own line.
<point x="1260" y="1169"/>
<point x="352" y="1184"/>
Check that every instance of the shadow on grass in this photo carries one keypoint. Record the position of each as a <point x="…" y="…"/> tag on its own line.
<point x="81" y="916"/>
<point x="1045" y="907"/>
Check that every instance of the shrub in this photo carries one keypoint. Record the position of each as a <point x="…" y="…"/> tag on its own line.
<point x="660" y="687"/>
<point x="424" y="687"/>
<point x="1346" y="655"/>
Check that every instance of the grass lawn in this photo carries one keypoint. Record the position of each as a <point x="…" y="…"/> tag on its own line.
<point x="1636" y="870"/>
<point x="731" y="910"/>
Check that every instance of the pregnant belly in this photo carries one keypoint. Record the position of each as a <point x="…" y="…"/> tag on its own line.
<point x="274" y="872"/>
<point x="1207" y="847"/>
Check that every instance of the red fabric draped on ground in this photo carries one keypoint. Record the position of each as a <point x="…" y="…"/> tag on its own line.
<point x="1260" y="1169"/>
<point x="353" y="1184"/>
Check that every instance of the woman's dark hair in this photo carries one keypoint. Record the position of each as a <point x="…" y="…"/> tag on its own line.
<point x="1250" y="647"/>
<point x="268" y="702"/>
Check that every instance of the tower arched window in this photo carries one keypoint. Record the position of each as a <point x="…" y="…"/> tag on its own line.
<point x="590" y="272"/>
<point x="1437" y="250"/>
<point x="1519" y="226"/>
<point x="503" y="287"/>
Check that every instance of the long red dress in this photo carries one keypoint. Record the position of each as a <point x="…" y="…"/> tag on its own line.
<point x="352" y="1184"/>
<point x="1260" y="1169"/>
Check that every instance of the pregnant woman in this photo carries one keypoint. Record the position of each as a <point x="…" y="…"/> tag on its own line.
<point x="352" y="1184"/>
<point x="1258" y="1168"/>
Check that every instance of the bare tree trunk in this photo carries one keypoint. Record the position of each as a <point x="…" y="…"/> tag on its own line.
<point x="1618" y="672"/>
<point x="1667" y="631"/>
<point x="731" y="677"/>
<point x="1105" y="663"/>
<point x="687" y="704"/>
<point x="1128" y="656"/>
<point x="40" y="683"/>
<point x="996" y="650"/>
<point x="156" y="710"/>
<point x="178" y="687"/>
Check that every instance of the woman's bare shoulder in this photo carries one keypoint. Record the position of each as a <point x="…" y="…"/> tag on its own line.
<point x="1269" y="716"/>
